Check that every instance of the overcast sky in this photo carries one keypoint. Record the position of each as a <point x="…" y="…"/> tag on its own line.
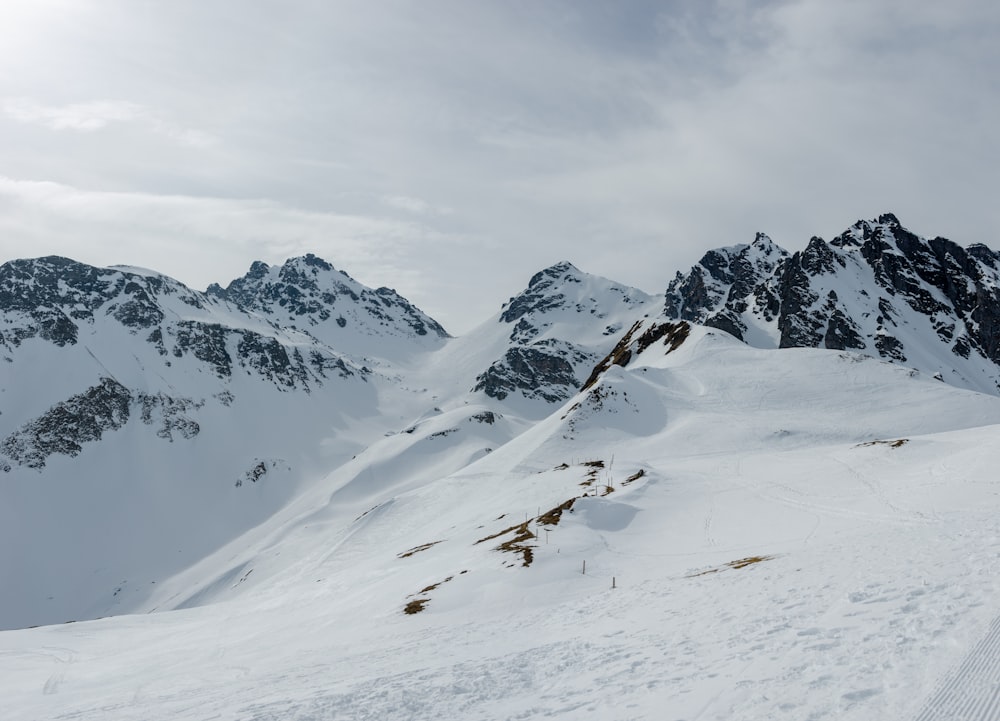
<point x="452" y="148"/>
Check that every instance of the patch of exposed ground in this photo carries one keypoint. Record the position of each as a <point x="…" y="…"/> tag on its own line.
<point x="634" y="477"/>
<point x="521" y="534"/>
<point x="417" y="604"/>
<point x="417" y="549"/>
<point x="594" y="470"/>
<point x="897" y="443"/>
<point x="740" y="563"/>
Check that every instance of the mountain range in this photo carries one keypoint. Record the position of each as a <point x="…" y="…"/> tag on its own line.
<point x="296" y="445"/>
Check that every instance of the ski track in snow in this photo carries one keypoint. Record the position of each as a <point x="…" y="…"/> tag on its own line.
<point x="972" y="691"/>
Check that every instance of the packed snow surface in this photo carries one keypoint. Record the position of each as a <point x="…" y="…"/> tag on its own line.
<point x="719" y="532"/>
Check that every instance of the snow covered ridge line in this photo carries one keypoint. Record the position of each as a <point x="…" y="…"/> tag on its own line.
<point x="58" y="299"/>
<point x="877" y="288"/>
<point x="311" y="291"/>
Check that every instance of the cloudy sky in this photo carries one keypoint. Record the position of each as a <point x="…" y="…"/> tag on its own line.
<point x="451" y="148"/>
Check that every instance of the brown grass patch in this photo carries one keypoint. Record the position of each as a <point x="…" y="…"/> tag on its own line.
<point x="415" y="606"/>
<point x="740" y="563"/>
<point x="519" y="542"/>
<point x="417" y="549"/>
<point x="552" y="517"/>
<point x="594" y="470"/>
<point x="748" y="561"/>
<point x="430" y="588"/>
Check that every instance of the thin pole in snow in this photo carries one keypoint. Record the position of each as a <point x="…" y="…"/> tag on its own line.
<point x="584" y="568"/>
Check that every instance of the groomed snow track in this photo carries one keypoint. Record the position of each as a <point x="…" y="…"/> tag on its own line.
<point x="972" y="691"/>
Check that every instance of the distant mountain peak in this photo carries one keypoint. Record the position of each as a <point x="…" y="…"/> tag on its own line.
<point x="310" y="294"/>
<point x="560" y="270"/>
<point x="877" y="288"/>
<point x="551" y="343"/>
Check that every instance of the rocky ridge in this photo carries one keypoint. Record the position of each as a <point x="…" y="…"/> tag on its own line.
<point x="877" y="288"/>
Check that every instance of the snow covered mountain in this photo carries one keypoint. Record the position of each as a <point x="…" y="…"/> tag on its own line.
<point x="333" y="307"/>
<point x="877" y="288"/>
<point x="736" y="500"/>
<point x="545" y="340"/>
<point x="156" y="409"/>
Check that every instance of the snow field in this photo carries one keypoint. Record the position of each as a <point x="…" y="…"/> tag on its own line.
<point x="814" y="536"/>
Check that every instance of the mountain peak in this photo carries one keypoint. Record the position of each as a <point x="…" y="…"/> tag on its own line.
<point x="559" y="270"/>
<point x="876" y="288"/>
<point x="313" y="260"/>
<point x="554" y="331"/>
<point x="310" y="294"/>
<point x="863" y="230"/>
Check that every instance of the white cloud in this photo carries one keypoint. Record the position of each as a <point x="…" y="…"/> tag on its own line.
<point x="470" y="144"/>
<point x="83" y="117"/>
<point x="415" y="206"/>
<point x="97" y="115"/>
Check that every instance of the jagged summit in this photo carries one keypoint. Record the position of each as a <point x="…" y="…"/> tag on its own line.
<point x="547" y="338"/>
<point x="308" y="293"/>
<point x="561" y="269"/>
<point x="877" y="288"/>
<point x="716" y="287"/>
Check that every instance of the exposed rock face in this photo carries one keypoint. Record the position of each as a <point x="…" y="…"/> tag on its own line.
<point x="552" y="343"/>
<point x="549" y="376"/>
<point x="876" y="288"/>
<point x="638" y="338"/>
<point x="66" y="426"/>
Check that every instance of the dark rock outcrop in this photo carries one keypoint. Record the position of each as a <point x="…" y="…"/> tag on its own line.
<point x="866" y="290"/>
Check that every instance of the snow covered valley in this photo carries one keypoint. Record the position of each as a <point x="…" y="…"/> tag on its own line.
<point x="713" y="532"/>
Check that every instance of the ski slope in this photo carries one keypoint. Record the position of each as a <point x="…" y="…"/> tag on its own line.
<point x="741" y="534"/>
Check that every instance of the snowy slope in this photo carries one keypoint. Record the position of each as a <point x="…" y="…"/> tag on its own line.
<point x="425" y="527"/>
<point x="813" y="534"/>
